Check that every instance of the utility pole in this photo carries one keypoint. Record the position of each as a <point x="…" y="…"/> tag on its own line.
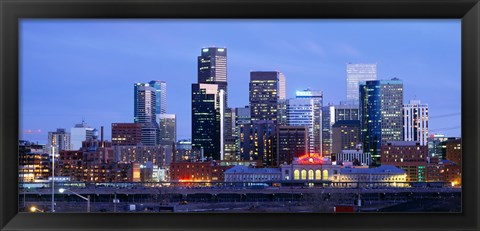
<point x="88" y="203"/>
<point x="53" y="178"/>
<point x="115" y="201"/>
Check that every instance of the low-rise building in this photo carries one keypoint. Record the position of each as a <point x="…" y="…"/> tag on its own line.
<point x="384" y="175"/>
<point x="357" y="157"/>
<point x="454" y="151"/>
<point x="33" y="162"/>
<point x="184" y="152"/>
<point x="310" y="167"/>
<point x="205" y="172"/>
<point x="160" y="155"/>
<point x="438" y="170"/>
<point x="241" y="173"/>
<point x="407" y="155"/>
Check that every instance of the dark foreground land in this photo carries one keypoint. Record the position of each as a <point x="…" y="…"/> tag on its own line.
<point x="307" y="200"/>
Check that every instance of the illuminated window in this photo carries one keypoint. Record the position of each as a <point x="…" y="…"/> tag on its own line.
<point x="304" y="174"/>
<point x="296" y="174"/>
<point x="318" y="175"/>
<point x="310" y="174"/>
<point x="325" y="174"/>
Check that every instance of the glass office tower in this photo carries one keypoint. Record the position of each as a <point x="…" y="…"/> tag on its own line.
<point x="306" y="110"/>
<point x="358" y="72"/>
<point x="160" y="95"/>
<point x="206" y="120"/>
<point x="212" y="68"/>
<point x="265" y="92"/>
<point x="145" y="112"/>
<point x="381" y="105"/>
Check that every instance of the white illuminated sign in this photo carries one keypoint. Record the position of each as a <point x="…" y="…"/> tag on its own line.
<point x="205" y="50"/>
<point x="304" y="93"/>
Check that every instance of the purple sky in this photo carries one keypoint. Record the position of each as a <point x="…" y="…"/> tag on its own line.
<point x="85" y="69"/>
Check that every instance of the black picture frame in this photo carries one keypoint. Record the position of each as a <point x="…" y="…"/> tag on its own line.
<point x="13" y="10"/>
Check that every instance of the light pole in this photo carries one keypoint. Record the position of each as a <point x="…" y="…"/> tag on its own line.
<point x="24" y="197"/>
<point x="62" y="190"/>
<point x="53" y="178"/>
<point x="115" y="202"/>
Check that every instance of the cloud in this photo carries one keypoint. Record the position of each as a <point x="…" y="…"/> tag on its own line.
<point x="314" y="48"/>
<point x="346" y="49"/>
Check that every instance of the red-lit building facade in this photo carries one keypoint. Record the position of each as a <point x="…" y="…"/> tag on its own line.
<point x="198" y="171"/>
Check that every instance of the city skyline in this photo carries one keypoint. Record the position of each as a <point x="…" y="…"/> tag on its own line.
<point x="86" y="38"/>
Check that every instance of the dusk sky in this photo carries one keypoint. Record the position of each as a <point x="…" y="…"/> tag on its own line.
<point x="85" y="69"/>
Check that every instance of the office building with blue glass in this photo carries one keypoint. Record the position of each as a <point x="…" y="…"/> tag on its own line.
<point x="160" y="95"/>
<point x="381" y="120"/>
<point x="206" y="120"/>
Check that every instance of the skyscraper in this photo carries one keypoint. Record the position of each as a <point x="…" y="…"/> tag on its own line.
<point x="242" y="119"/>
<point x="160" y="96"/>
<point x="282" y="86"/>
<point x="145" y="106"/>
<point x="415" y="122"/>
<point x="167" y="132"/>
<point x="326" y="132"/>
<point x="331" y="114"/>
<point x="60" y="139"/>
<point x="223" y="127"/>
<point x="264" y="93"/>
<point x="358" y="72"/>
<point x="282" y="112"/>
<point x="345" y="135"/>
<point x="230" y="137"/>
<point x="212" y="68"/>
<point x="79" y="133"/>
<point x="306" y="110"/>
<point x="242" y="116"/>
<point x="145" y="112"/>
<point x="381" y="120"/>
<point x="292" y="141"/>
<point x="206" y="119"/>
<point x="257" y="142"/>
<point x="266" y="88"/>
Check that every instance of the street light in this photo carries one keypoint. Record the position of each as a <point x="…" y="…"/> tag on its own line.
<point x="62" y="190"/>
<point x="34" y="209"/>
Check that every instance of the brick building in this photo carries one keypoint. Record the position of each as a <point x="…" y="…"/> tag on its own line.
<point x="454" y="151"/>
<point x="407" y="155"/>
<point x="443" y="171"/>
<point x="197" y="172"/>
